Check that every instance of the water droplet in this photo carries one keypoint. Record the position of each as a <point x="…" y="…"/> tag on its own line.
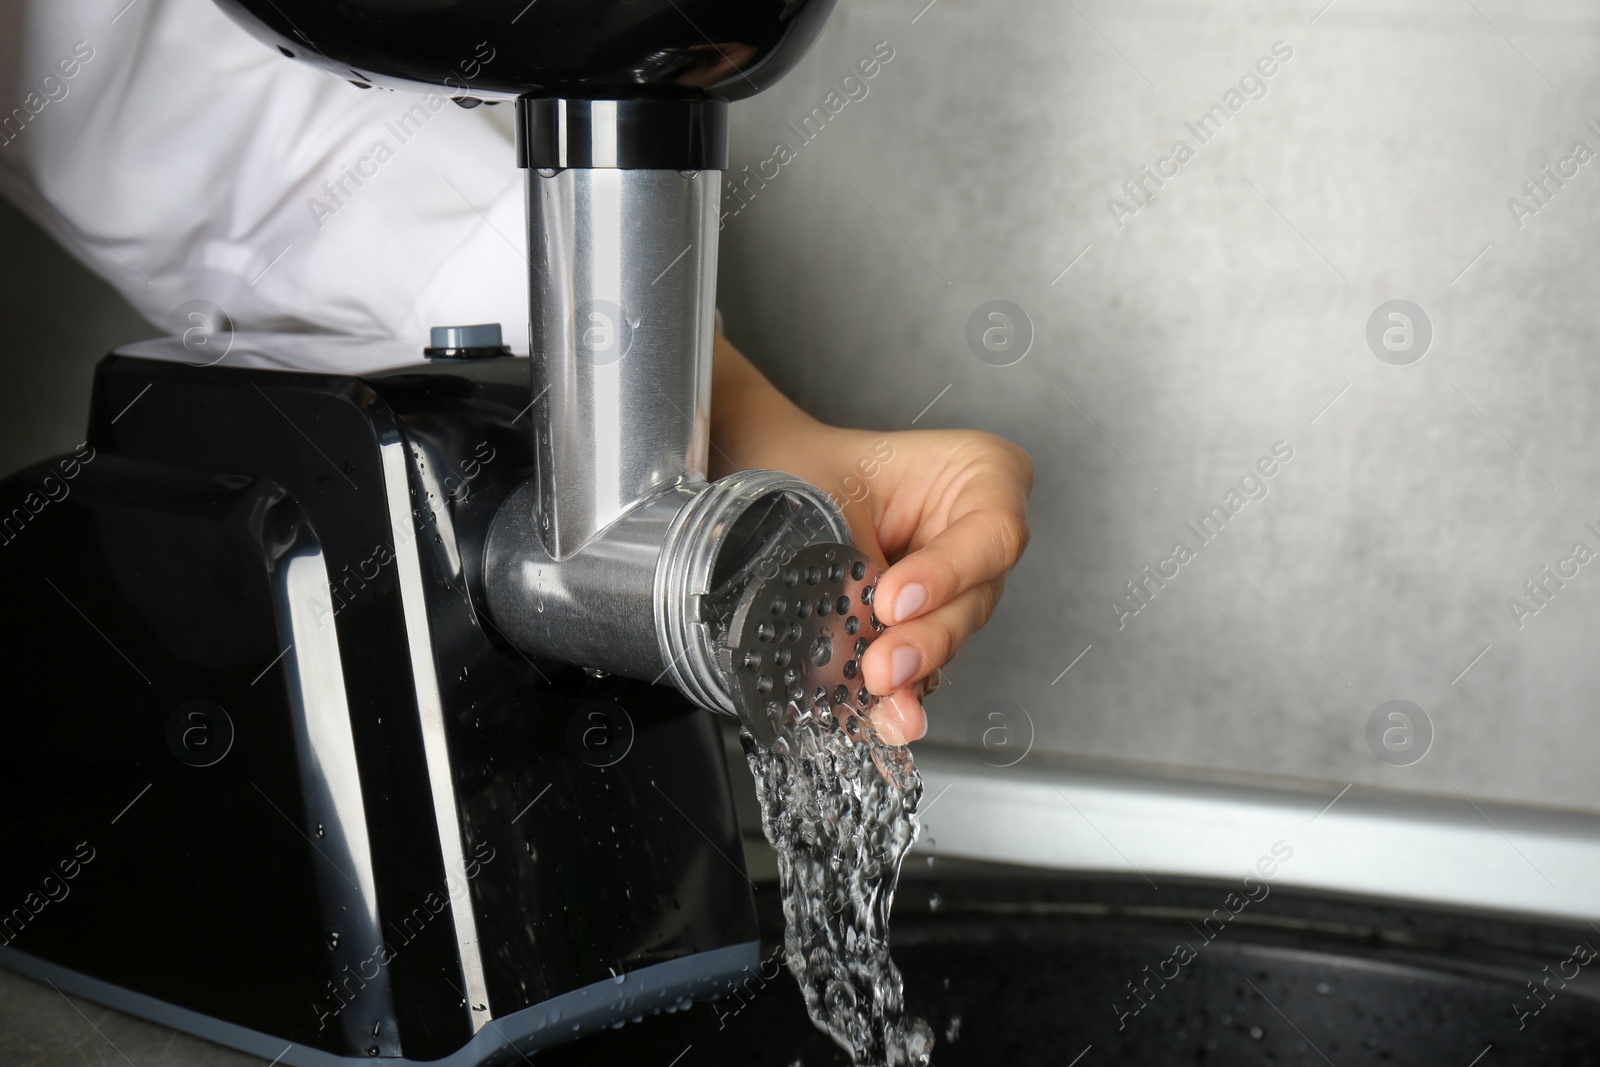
<point x="952" y="1029"/>
<point x="333" y="939"/>
<point x="1324" y="988"/>
<point x="840" y="997"/>
<point x="320" y="831"/>
<point x="1257" y="1033"/>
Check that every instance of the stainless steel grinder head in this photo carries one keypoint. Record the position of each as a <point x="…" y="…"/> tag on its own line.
<point x="797" y="637"/>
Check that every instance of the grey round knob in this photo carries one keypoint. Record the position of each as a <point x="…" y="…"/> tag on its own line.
<point x="479" y="341"/>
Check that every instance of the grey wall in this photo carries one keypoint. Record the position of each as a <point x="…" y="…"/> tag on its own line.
<point x="1221" y="318"/>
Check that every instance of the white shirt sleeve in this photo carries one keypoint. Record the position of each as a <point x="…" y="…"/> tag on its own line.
<point x="182" y="159"/>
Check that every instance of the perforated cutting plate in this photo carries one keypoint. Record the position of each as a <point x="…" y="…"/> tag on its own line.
<point x="797" y="638"/>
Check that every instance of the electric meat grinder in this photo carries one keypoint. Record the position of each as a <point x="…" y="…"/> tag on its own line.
<point x="332" y="732"/>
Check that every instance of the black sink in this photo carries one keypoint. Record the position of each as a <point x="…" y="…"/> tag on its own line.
<point x="1013" y="967"/>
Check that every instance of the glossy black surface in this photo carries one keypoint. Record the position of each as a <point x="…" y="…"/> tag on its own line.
<point x="597" y="49"/>
<point x="626" y="860"/>
<point x="143" y="583"/>
<point x="1020" y="969"/>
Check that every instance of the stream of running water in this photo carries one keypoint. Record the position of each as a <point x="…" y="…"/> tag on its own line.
<point x="839" y="806"/>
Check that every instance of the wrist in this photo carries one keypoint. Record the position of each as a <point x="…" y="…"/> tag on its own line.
<point x="752" y="423"/>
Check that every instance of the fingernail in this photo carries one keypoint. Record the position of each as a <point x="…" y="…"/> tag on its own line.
<point x="909" y="601"/>
<point x="887" y="722"/>
<point x="905" y="661"/>
<point x="911" y="716"/>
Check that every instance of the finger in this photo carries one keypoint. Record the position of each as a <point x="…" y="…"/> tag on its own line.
<point x="983" y="541"/>
<point x="900" y="719"/>
<point x="912" y="650"/>
<point x="865" y="536"/>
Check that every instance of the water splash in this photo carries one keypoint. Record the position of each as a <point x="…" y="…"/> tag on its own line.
<point x="839" y="807"/>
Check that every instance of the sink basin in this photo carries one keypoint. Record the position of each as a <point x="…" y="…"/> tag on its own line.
<point x="1017" y="968"/>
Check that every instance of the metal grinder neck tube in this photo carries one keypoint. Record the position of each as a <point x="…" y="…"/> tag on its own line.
<point x="618" y="555"/>
<point x="624" y="279"/>
<point x="623" y="199"/>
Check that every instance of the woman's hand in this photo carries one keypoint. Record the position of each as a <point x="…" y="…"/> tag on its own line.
<point x="947" y="508"/>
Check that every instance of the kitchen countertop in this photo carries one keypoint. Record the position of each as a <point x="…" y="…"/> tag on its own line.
<point x="41" y="1027"/>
